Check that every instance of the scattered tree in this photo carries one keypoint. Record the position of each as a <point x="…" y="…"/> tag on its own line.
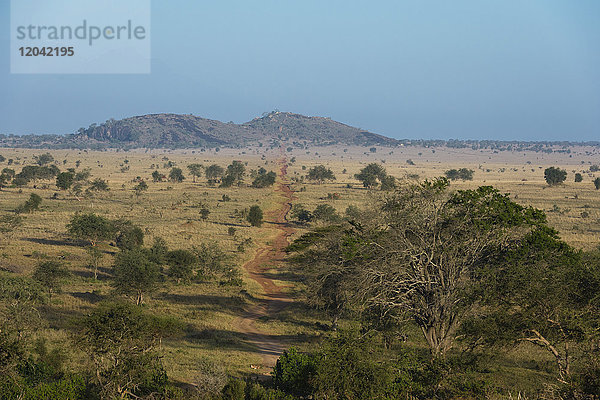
<point x="50" y="274"/>
<point x="196" y="170"/>
<point x="320" y="173"/>
<point x="121" y="341"/>
<point x="554" y="176"/>
<point x="578" y="177"/>
<point x="181" y="264"/>
<point x="95" y="256"/>
<point x="176" y="175"/>
<point x="214" y="172"/>
<point x="128" y="236"/>
<point x="464" y="174"/>
<point x="64" y="180"/>
<point x="43" y="159"/>
<point x="98" y="185"/>
<point x="90" y="227"/>
<point x="157" y="176"/>
<point x="32" y="204"/>
<point x="326" y="213"/>
<point x="135" y="274"/>
<point x="264" y="179"/>
<point x="371" y="175"/>
<point x="255" y="216"/>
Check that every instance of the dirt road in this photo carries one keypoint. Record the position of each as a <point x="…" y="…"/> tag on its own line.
<point x="268" y="345"/>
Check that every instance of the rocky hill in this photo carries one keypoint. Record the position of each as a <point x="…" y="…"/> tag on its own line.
<point x="175" y="130"/>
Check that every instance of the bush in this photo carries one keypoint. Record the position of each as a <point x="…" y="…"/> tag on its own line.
<point x="293" y="372"/>
<point x="264" y="179"/>
<point x="464" y="174"/>
<point x="578" y="177"/>
<point x="255" y="216"/>
<point x="325" y="212"/>
<point x="234" y="390"/>
<point x="32" y="204"/>
<point x="300" y="213"/>
<point x="554" y="176"/>
<point x="50" y="275"/>
<point x="181" y="264"/>
<point x="129" y="236"/>
<point x="597" y="183"/>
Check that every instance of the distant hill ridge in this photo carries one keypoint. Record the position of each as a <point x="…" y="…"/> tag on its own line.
<point x="177" y="130"/>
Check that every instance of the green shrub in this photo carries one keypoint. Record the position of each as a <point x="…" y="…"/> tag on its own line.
<point x="293" y="372"/>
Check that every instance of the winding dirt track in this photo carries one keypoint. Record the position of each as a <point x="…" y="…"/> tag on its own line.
<point x="267" y="345"/>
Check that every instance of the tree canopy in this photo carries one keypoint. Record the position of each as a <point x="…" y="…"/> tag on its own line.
<point x="320" y="173"/>
<point x="554" y="176"/>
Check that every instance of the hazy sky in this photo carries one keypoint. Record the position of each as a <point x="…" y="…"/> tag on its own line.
<point x="498" y="69"/>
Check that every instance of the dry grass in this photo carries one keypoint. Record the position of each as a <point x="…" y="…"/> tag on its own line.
<point x="170" y="210"/>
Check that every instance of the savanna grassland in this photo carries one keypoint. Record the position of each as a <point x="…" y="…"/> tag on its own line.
<point x="236" y="323"/>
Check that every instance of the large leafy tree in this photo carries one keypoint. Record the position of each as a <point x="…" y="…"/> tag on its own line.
<point x="554" y="176"/>
<point x="135" y="274"/>
<point x="320" y="174"/>
<point x="372" y="175"/>
<point x="176" y="175"/>
<point x="122" y="342"/>
<point x="91" y="227"/>
<point x="196" y="170"/>
<point x="416" y="254"/>
<point x="214" y="172"/>
<point x="50" y="275"/>
<point x="539" y="291"/>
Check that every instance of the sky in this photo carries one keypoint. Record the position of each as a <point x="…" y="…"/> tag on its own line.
<point x="431" y="69"/>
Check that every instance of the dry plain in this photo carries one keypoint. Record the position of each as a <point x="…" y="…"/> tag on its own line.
<point x="214" y="342"/>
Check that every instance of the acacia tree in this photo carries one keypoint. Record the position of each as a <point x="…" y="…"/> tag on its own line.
<point x="64" y="180"/>
<point x="371" y="175"/>
<point x="181" y="264"/>
<point x="255" y="216"/>
<point x="214" y="172"/>
<point x="320" y="173"/>
<point x="121" y="341"/>
<point x="135" y="274"/>
<point x="235" y="174"/>
<point x="540" y="291"/>
<point x="195" y="170"/>
<point x="50" y="274"/>
<point x="176" y="175"/>
<point x="416" y="253"/>
<point x="91" y="227"/>
<point x="554" y="176"/>
<point x="95" y="256"/>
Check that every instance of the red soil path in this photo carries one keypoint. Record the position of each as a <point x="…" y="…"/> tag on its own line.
<point x="267" y="345"/>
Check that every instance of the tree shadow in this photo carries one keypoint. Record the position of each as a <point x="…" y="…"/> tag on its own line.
<point x="60" y="318"/>
<point x="264" y="344"/>
<point x="58" y="242"/>
<point x="229" y="224"/>
<point x="233" y="304"/>
<point x="90" y="297"/>
<point x="104" y="273"/>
